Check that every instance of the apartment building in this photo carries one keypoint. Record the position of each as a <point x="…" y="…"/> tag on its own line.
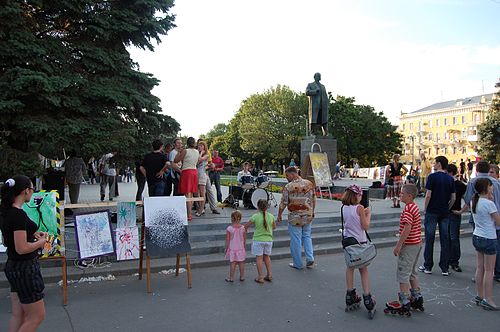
<point x="447" y="128"/>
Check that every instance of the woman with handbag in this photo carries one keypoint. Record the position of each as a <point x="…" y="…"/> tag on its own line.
<point x="357" y="221"/>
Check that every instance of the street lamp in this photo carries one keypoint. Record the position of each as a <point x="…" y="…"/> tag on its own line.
<point x="412" y="138"/>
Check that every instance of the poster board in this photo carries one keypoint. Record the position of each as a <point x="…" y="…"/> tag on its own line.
<point x="44" y="210"/>
<point x="127" y="243"/>
<point x="93" y="234"/>
<point x="321" y="169"/>
<point x="165" y="221"/>
<point x="126" y="214"/>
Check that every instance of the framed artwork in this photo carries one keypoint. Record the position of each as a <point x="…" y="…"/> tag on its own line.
<point x="126" y="213"/>
<point x="93" y="234"/>
<point x="321" y="169"/>
<point x="166" y="223"/>
<point x="43" y="209"/>
<point x="127" y="243"/>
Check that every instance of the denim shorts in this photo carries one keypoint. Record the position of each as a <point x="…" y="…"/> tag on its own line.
<point x="484" y="245"/>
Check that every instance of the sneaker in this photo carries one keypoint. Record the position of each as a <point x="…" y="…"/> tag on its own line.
<point x="215" y="212"/>
<point x="424" y="270"/>
<point x="487" y="306"/>
<point x="310" y="265"/>
<point x="445" y="273"/>
<point x="456" y="268"/>
<point x="294" y="267"/>
<point x="102" y="198"/>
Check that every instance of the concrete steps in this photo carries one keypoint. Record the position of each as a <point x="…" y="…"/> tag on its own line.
<point x="207" y="239"/>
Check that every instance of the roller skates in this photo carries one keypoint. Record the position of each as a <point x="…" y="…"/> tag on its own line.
<point x="352" y="300"/>
<point x="417" y="303"/>
<point x="369" y="303"/>
<point x="401" y="307"/>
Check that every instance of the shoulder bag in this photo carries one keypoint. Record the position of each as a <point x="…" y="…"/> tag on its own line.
<point x="357" y="254"/>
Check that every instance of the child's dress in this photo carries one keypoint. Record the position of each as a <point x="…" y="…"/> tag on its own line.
<point x="236" y="251"/>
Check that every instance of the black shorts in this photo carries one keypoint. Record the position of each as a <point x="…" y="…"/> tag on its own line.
<point x="25" y="279"/>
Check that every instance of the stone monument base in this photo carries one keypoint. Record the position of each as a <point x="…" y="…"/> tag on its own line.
<point x="328" y="144"/>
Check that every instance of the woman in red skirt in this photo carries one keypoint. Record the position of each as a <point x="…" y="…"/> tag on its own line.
<point x="188" y="183"/>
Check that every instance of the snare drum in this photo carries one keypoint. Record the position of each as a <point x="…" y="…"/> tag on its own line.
<point x="247" y="182"/>
<point x="252" y="196"/>
<point x="262" y="181"/>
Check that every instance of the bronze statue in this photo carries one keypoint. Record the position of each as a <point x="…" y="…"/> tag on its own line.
<point x="318" y="106"/>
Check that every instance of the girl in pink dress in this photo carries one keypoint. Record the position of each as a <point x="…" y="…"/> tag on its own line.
<point x="235" y="246"/>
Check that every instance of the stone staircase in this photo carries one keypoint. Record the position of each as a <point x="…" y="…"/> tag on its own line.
<point x="207" y="238"/>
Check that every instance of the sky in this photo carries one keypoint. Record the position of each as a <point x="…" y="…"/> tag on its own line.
<point x="395" y="55"/>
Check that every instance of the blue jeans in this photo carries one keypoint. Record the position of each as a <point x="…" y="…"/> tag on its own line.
<point x="300" y="235"/>
<point x="497" y="264"/>
<point x="455" y="221"/>
<point x="157" y="189"/>
<point x="433" y="220"/>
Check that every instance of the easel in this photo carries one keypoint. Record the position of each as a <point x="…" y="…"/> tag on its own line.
<point x="143" y="250"/>
<point x="322" y="177"/>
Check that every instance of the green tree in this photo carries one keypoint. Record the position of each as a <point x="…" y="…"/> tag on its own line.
<point x="272" y="123"/>
<point x="489" y="131"/>
<point x="67" y="80"/>
<point x="362" y="133"/>
<point x="215" y="135"/>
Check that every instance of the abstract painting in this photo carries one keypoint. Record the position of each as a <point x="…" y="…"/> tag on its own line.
<point x="126" y="214"/>
<point x="166" y="226"/>
<point x="321" y="169"/>
<point x="43" y="209"/>
<point x="127" y="243"/>
<point x="93" y="234"/>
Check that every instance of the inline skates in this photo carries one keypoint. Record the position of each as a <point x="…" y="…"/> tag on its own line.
<point x="369" y="303"/>
<point x="352" y="300"/>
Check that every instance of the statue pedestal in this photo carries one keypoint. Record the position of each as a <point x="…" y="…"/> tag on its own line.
<point x="328" y="144"/>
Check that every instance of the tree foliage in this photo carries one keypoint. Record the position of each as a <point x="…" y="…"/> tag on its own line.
<point x="67" y="79"/>
<point x="362" y="133"/>
<point x="489" y="131"/>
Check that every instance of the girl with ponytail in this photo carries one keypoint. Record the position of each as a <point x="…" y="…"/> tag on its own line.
<point x="23" y="242"/>
<point x="484" y="239"/>
<point x="262" y="240"/>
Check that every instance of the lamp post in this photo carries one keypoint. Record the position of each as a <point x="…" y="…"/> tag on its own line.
<point x="412" y="138"/>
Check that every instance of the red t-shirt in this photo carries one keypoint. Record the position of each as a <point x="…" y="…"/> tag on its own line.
<point x="218" y="162"/>
<point x="411" y="216"/>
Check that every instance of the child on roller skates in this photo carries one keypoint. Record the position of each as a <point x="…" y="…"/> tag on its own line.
<point x="357" y="221"/>
<point x="407" y="250"/>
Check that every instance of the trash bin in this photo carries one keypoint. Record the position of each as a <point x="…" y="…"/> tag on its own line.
<point x="54" y="180"/>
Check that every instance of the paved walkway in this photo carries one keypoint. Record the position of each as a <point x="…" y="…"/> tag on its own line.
<point x="309" y="300"/>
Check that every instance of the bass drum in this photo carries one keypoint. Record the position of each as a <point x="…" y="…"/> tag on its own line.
<point x="252" y="196"/>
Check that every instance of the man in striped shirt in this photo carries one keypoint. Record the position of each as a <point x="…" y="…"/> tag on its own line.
<point x="408" y="248"/>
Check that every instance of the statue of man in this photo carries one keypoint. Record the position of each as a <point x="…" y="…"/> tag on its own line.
<point x="318" y="105"/>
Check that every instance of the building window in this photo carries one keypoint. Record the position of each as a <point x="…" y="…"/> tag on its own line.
<point x="437" y="137"/>
<point x="446" y="135"/>
<point x="437" y="122"/>
<point x="437" y="151"/>
<point x="411" y="126"/>
<point x="454" y="149"/>
<point x="430" y="123"/>
<point x="430" y="136"/>
<point x="454" y="120"/>
<point x="463" y="118"/>
<point x="464" y="133"/>
<point x="445" y="122"/>
<point x="477" y="118"/>
<point x="403" y="126"/>
<point x="445" y="150"/>
<point x="464" y="149"/>
<point x="420" y="125"/>
<point x="429" y="152"/>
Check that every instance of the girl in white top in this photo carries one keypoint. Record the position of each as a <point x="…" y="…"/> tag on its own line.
<point x="484" y="239"/>
<point x="188" y="184"/>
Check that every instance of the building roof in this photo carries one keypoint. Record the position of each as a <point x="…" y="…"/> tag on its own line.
<point x="458" y="102"/>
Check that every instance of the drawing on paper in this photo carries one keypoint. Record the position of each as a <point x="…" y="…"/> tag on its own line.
<point x="127" y="243"/>
<point x="166" y="226"/>
<point x="126" y="214"/>
<point x="93" y="234"/>
<point x="321" y="169"/>
<point x="43" y="209"/>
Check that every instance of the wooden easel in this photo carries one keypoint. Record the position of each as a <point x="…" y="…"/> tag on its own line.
<point x="143" y="250"/>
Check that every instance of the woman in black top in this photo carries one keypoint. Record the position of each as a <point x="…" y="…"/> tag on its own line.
<point x="23" y="243"/>
<point x="396" y="175"/>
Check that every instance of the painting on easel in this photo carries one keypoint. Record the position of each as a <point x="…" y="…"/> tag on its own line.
<point x="126" y="214"/>
<point x="165" y="219"/>
<point x="127" y="243"/>
<point x="321" y="169"/>
<point x="93" y="234"/>
<point x="43" y="209"/>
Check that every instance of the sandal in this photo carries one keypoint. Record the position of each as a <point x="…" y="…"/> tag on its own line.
<point x="269" y="279"/>
<point x="242" y="279"/>
<point x="197" y="214"/>
<point x="228" y="280"/>
<point x="190" y="217"/>
<point x="259" y="281"/>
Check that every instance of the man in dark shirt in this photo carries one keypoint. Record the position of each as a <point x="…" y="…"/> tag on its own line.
<point x="153" y="167"/>
<point x="439" y="198"/>
<point x="455" y="219"/>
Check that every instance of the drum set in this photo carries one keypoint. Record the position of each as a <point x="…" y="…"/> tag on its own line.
<point x="251" y="190"/>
